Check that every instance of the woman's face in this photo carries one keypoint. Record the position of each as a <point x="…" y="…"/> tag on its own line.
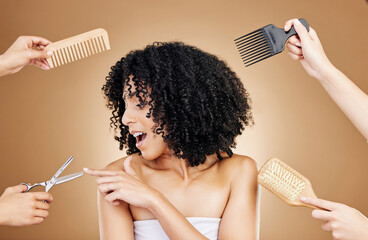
<point x="150" y="144"/>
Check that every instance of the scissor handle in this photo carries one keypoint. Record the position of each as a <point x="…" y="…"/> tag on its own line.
<point x="29" y="187"/>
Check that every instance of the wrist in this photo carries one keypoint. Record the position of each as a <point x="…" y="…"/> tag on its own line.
<point x="3" y="219"/>
<point x="3" y="69"/>
<point x="365" y="227"/>
<point x="155" y="202"/>
<point x="327" y="73"/>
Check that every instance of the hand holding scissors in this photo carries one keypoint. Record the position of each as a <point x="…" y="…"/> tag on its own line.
<point x="55" y="180"/>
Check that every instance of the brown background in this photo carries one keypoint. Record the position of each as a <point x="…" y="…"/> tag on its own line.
<point x="48" y="116"/>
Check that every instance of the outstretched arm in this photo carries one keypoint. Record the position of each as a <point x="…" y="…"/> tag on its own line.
<point x="350" y="99"/>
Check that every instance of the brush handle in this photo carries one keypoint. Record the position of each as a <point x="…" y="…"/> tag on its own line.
<point x="309" y="192"/>
<point x="312" y="207"/>
<point x="292" y="31"/>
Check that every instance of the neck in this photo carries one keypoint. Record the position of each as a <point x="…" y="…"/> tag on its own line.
<point x="180" y="166"/>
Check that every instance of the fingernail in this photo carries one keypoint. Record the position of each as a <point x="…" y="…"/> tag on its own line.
<point x="296" y="22"/>
<point x="303" y="199"/>
<point x="85" y="169"/>
<point x="49" y="53"/>
<point x="298" y="44"/>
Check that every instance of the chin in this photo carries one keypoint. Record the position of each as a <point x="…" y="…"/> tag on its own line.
<point x="149" y="156"/>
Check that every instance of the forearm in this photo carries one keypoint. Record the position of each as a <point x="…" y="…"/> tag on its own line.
<point x="3" y="70"/>
<point x="175" y="225"/>
<point x="350" y="99"/>
<point x="2" y="217"/>
<point x="4" y="214"/>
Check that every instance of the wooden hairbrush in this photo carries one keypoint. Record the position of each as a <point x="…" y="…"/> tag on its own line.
<point x="77" y="47"/>
<point x="285" y="183"/>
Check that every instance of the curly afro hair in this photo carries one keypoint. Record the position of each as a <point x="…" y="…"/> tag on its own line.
<point x="197" y="102"/>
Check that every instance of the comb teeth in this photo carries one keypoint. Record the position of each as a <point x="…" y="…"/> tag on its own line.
<point x="283" y="180"/>
<point x="254" y="47"/>
<point x="78" y="47"/>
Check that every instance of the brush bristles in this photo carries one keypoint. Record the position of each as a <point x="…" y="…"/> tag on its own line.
<point x="282" y="180"/>
<point x="254" y="47"/>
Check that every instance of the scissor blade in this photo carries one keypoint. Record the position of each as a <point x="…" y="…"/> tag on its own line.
<point x="68" y="177"/>
<point x="63" y="167"/>
<point x="52" y="182"/>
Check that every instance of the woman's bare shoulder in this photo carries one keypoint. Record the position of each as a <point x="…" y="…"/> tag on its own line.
<point x="118" y="165"/>
<point x="239" y="166"/>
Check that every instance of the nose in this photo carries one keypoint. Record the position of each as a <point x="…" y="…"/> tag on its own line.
<point x="128" y="117"/>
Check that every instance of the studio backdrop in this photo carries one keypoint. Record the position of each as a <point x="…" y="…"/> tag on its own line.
<point x="48" y="116"/>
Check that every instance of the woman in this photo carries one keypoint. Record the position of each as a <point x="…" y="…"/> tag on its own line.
<point x="178" y="111"/>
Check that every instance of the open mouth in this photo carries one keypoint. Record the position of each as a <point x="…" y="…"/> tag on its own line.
<point x="139" y="136"/>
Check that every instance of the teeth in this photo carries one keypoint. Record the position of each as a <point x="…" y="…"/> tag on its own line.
<point x="138" y="134"/>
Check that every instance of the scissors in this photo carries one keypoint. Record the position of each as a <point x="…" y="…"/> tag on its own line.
<point x="55" y="180"/>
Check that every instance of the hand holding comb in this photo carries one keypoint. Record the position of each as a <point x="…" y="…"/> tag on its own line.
<point x="264" y="42"/>
<point x="286" y="183"/>
<point x="77" y="47"/>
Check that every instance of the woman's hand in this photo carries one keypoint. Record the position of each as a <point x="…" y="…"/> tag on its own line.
<point x="344" y="222"/>
<point x="21" y="209"/>
<point x="116" y="186"/>
<point x="307" y="48"/>
<point x="26" y="50"/>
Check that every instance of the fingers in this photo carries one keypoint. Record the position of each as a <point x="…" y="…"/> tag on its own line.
<point x="107" y="188"/>
<point x="36" y="54"/>
<point x="294" y="49"/>
<point x="36" y="220"/>
<point x="326" y="226"/>
<point x="294" y="40"/>
<point x="294" y="56"/>
<point x="101" y="172"/>
<point x="16" y="189"/>
<point x="41" y="213"/>
<point x="108" y="179"/>
<point x="288" y="25"/>
<point x="40" y="63"/>
<point x="113" y="198"/>
<point x="42" y="205"/>
<point x="320" y="203"/>
<point x="34" y="41"/>
<point x="43" y="196"/>
<point x="322" y="215"/>
<point x="301" y="30"/>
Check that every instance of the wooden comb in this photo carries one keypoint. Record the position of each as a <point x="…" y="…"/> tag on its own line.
<point x="285" y="183"/>
<point x="77" y="47"/>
